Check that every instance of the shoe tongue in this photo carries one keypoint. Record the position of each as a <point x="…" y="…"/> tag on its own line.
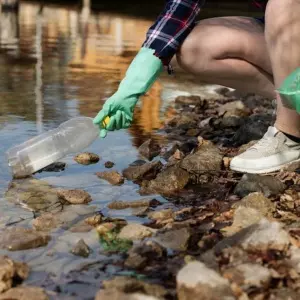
<point x="272" y="131"/>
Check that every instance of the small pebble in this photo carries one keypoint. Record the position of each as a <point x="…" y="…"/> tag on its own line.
<point x="109" y="164"/>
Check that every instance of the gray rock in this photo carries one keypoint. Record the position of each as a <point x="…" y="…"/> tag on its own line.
<point x="234" y="108"/>
<point x="87" y="158"/>
<point x="135" y="231"/>
<point x="146" y="171"/>
<point x="174" y="239"/>
<point x="170" y="180"/>
<point x="11" y="270"/>
<point x="47" y="222"/>
<point x="113" y="177"/>
<point x="131" y="285"/>
<point x="149" y="149"/>
<point x="54" y="167"/>
<point x="74" y="196"/>
<point x="142" y="254"/>
<point x="81" y="249"/>
<point x="196" y="281"/>
<point x="188" y="100"/>
<point x="253" y="129"/>
<point x="206" y="158"/>
<point x="243" y="218"/>
<point x="249" y="275"/>
<point x="113" y="294"/>
<point x="267" y="236"/>
<point x="18" y="238"/>
<point x="109" y="164"/>
<point x="36" y="195"/>
<point x="268" y="185"/>
<point x="259" y="202"/>
<point x="25" y="293"/>
<point x="285" y="294"/>
<point x="147" y="202"/>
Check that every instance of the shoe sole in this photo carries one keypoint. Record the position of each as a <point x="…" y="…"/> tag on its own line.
<point x="264" y="171"/>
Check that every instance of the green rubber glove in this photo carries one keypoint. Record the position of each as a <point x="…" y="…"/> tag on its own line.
<point x="289" y="91"/>
<point x="141" y="74"/>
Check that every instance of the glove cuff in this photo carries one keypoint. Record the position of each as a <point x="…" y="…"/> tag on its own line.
<point x="142" y="73"/>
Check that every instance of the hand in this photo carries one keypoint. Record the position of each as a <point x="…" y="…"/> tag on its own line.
<point x="141" y="74"/>
<point x="119" y="109"/>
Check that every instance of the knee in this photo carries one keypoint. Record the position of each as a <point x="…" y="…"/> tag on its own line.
<point x="191" y="55"/>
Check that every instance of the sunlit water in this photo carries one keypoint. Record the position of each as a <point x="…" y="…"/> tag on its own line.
<point x="58" y="63"/>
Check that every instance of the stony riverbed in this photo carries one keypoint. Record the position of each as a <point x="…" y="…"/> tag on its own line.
<point x="219" y="235"/>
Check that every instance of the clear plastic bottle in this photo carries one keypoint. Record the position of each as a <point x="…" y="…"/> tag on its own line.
<point x="70" y="137"/>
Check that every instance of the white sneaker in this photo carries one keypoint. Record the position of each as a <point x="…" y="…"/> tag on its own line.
<point x="271" y="153"/>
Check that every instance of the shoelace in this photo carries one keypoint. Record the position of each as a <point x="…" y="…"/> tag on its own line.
<point x="267" y="142"/>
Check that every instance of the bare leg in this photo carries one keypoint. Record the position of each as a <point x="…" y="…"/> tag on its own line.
<point x="229" y="51"/>
<point x="283" y="41"/>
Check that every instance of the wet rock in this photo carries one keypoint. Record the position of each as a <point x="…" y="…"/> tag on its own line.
<point x="81" y="226"/>
<point x="184" y="121"/>
<point x="228" y="122"/>
<point x="104" y="228"/>
<point x="138" y="162"/>
<point x="132" y="285"/>
<point x="193" y="132"/>
<point x="11" y="271"/>
<point x="170" y="180"/>
<point x="285" y="293"/>
<point x="268" y="185"/>
<point x="87" y="158"/>
<point x="25" y="293"/>
<point x="54" y="167"/>
<point x="249" y="275"/>
<point x="146" y="171"/>
<point x="135" y="232"/>
<point x="149" y="149"/>
<point x="174" y="239"/>
<point x="36" y="195"/>
<point x="196" y="281"/>
<point x="113" y="177"/>
<point x="188" y="100"/>
<point x="94" y="220"/>
<point x="109" y="164"/>
<point x="18" y="238"/>
<point x="178" y="155"/>
<point x="265" y="236"/>
<point x="133" y="204"/>
<point x="259" y="202"/>
<point x="234" y="108"/>
<point x="143" y="254"/>
<point x="47" y="222"/>
<point x="161" y="214"/>
<point x="207" y="158"/>
<point x="113" y="294"/>
<point x="74" y="196"/>
<point x="169" y="151"/>
<point x="243" y="218"/>
<point x="253" y="129"/>
<point x="81" y="249"/>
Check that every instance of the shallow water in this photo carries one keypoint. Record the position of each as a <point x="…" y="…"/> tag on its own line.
<point x="61" y="62"/>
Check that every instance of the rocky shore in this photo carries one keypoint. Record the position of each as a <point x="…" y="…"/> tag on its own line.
<point x="220" y="235"/>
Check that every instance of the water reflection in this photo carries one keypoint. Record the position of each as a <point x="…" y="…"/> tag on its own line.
<point x="54" y="54"/>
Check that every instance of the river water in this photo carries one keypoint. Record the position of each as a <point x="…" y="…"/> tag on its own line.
<point x="61" y="62"/>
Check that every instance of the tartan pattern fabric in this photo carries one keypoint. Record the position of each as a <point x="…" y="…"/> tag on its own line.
<point x="173" y="25"/>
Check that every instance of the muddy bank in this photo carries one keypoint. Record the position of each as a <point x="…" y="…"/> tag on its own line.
<point x="221" y="235"/>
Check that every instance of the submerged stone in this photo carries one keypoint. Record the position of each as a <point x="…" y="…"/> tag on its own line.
<point x="87" y="158"/>
<point x="18" y="238"/>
